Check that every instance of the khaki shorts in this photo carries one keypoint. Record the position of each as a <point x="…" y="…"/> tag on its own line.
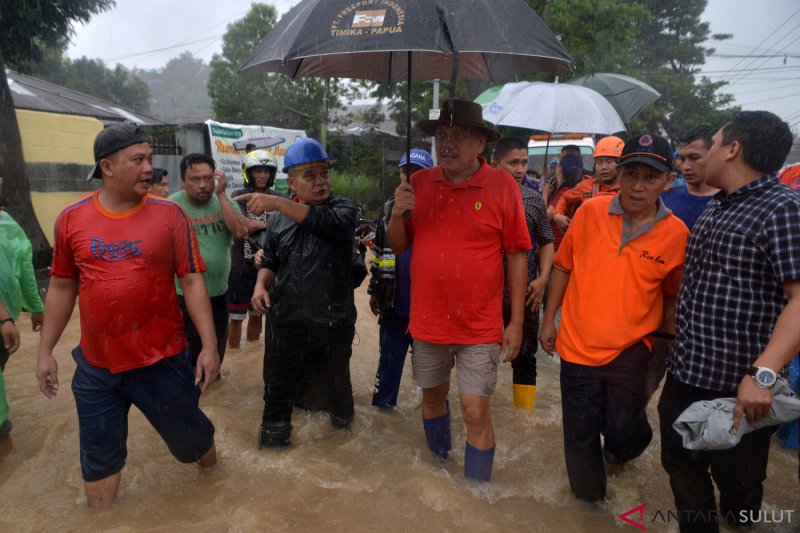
<point x="476" y="366"/>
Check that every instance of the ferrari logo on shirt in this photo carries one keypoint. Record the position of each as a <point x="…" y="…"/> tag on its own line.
<point x="478" y="206"/>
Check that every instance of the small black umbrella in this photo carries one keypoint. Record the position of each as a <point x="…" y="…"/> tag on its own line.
<point x="409" y="40"/>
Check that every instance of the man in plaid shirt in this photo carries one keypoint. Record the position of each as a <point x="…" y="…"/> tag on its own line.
<point x="737" y="315"/>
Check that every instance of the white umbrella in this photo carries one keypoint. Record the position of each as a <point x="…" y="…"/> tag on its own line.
<point x="553" y="108"/>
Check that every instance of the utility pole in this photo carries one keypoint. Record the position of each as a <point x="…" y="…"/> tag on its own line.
<point x="436" y="108"/>
<point x="323" y="128"/>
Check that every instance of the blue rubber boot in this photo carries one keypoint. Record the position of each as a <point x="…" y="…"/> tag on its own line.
<point x="437" y="433"/>
<point x="478" y="463"/>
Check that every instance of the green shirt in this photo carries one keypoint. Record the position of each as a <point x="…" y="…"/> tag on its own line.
<point x="215" y="241"/>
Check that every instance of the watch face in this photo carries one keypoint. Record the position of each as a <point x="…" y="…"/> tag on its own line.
<point x="765" y="378"/>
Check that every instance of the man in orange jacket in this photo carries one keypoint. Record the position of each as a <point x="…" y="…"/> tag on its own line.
<point x="605" y="181"/>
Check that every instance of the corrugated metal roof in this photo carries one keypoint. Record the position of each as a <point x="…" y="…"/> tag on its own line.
<point x="39" y="95"/>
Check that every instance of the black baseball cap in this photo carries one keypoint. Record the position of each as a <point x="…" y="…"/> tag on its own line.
<point x="647" y="148"/>
<point x="113" y="139"/>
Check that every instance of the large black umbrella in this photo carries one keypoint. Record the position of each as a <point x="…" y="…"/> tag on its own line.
<point x="409" y="40"/>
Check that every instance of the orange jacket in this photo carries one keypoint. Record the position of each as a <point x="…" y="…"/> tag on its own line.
<point x="589" y="187"/>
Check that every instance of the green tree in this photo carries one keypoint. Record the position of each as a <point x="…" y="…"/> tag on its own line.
<point x="27" y="29"/>
<point x="180" y="88"/>
<point x="598" y="34"/>
<point x="669" y="56"/>
<point x="91" y="76"/>
<point x="264" y="98"/>
<point x="661" y="42"/>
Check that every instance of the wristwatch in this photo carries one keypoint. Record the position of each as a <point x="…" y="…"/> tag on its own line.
<point x="764" y="377"/>
<point x="9" y="319"/>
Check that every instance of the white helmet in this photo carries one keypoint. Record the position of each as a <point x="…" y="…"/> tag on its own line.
<point x="259" y="158"/>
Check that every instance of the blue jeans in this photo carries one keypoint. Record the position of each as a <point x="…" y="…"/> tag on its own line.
<point x="607" y="400"/>
<point x="395" y="340"/>
<point x="164" y="392"/>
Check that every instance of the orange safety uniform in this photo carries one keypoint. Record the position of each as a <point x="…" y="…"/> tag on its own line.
<point x="618" y="280"/>
<point x="589" y="187"/>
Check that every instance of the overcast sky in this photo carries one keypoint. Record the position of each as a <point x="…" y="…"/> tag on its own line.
<point x="147" y="33"/>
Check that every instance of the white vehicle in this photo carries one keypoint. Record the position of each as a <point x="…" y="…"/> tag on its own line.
<point x="539" y="143"/>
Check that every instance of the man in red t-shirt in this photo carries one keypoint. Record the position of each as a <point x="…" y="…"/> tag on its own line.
<point x="464" y="216"/>
<point x="119" y="248"/>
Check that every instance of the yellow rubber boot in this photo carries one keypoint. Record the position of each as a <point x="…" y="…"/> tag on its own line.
<point x="524" y="396"/>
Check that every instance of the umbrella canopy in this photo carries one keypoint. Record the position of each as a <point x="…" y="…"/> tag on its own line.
<point x="488" y="96"/>
<point x="554" y="108"/>
<point x="407" y="40"/>
<point x="629" y="96"/>
<point x="260" y="141"/>
<point x="446" y="39"/>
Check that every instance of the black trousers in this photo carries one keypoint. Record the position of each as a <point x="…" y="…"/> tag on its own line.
<point x="288" y="349"/>
<point x="524" y="366"/>
<point x="738" y="472"/>
<point x="607" y="400"/>
<point x="219" y="310"/>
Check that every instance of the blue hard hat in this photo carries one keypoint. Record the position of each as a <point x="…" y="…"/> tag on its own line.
<point x="304" y="150"/>
<point x="421" y="158"/>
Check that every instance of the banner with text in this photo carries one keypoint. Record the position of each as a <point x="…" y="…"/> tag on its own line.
<point x="229" y="144"/>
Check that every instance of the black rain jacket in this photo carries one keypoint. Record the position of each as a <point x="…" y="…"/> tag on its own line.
<point x="312" y="261"/>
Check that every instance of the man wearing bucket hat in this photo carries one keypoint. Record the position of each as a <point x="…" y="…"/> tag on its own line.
<point x="120" y="248"/>
<point x="465" y="217"/>
<point x="306" y="285"/>
<point x="390" y="295"/>
<point x="617" y="273"/>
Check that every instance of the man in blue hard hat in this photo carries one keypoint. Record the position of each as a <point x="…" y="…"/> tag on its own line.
<point x="390" y="295"/>
<point x="305" y="284"/>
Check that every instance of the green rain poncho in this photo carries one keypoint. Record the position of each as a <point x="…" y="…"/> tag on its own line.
<point x="18" y="287"/>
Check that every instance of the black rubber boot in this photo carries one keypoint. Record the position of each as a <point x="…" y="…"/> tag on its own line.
<point x="274" y="435"/>
<point x="340" y="422"/>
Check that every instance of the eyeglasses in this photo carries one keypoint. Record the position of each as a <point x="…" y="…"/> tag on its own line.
<point x="454" y="134"/>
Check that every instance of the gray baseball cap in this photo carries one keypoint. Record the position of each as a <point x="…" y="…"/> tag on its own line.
<point x="113" y="139"/>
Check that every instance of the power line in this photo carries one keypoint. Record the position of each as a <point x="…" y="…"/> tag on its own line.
<point x="734" y="56"/>
<point x="735" y="79"/>
<point x="770" y="88"/>
<point x="754" y="69"/>
<point x="155" y="50"/>
<point x="769" y="34"/>
<point x="184" y="43"/>
<point x="794" y="95"/>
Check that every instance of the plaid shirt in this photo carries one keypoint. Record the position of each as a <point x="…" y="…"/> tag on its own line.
<point x="741" y="251"/>
<point x="539" y="229"/>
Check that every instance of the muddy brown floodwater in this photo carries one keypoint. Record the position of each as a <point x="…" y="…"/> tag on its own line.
<point x="378" y="476"/>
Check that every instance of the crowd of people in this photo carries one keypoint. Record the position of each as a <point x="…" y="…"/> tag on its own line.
<point x="467" y="254"/>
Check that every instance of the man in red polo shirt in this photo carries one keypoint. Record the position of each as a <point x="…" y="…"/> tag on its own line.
<point x="464" y="216"/>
